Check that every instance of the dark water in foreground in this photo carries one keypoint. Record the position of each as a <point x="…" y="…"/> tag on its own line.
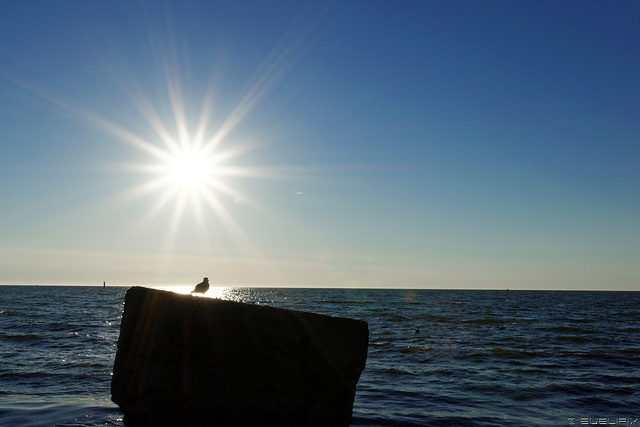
<point x="563" y="358"/>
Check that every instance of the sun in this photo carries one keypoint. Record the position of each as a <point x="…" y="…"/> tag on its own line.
<point x="191" y="171"/>
<point x="188" y="174"/>
<point x="189" y="177"/>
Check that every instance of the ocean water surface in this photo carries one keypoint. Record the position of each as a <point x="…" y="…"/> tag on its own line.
<point x="436" y="357"/>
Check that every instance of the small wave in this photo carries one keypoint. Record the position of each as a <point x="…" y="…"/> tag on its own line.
<point x="90" y="365"/>
<point x="514" y="352"/>
<point x="393" y="371"/>
<point x="532" y="371"/>
<point x="438" y="319"/>
<point x="16" y="375"/>
<point x="415" y="349"/>
<point x="60" y="413"/>
<point x="490" y="321"/>
<point x="628" y="351"/>
<point x="347" y="302"/>
<point x="576" y="339"/>
<point x="369" y="419"/>
<point x="20" y="337"/>
<point x="567" y="329"/>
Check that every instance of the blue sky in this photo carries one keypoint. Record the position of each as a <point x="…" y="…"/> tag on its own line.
<point x="438" y="144"/>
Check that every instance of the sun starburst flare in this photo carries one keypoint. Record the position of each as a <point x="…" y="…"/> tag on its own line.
<point x="190" y="175"/>
<point x="186" y="161"/>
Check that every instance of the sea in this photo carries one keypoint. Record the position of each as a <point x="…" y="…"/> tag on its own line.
<point x="436" y="357"/>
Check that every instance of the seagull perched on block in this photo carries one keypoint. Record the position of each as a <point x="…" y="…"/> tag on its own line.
<point x="201" y="287"/>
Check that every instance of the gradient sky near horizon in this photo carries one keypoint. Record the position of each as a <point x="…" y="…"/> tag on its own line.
<point x="435" y="144"/>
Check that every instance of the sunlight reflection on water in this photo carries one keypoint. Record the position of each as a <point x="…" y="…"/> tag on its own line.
<point x="219" y="292"/>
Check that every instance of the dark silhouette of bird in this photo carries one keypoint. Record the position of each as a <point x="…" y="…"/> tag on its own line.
<point x="503" y="327"/>
<point x="201" y="287"/>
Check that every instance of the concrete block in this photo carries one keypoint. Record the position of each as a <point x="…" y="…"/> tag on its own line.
<point x="190" y="361"/>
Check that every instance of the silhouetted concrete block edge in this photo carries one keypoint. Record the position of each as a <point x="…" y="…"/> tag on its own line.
<point x="185" y="360"/>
